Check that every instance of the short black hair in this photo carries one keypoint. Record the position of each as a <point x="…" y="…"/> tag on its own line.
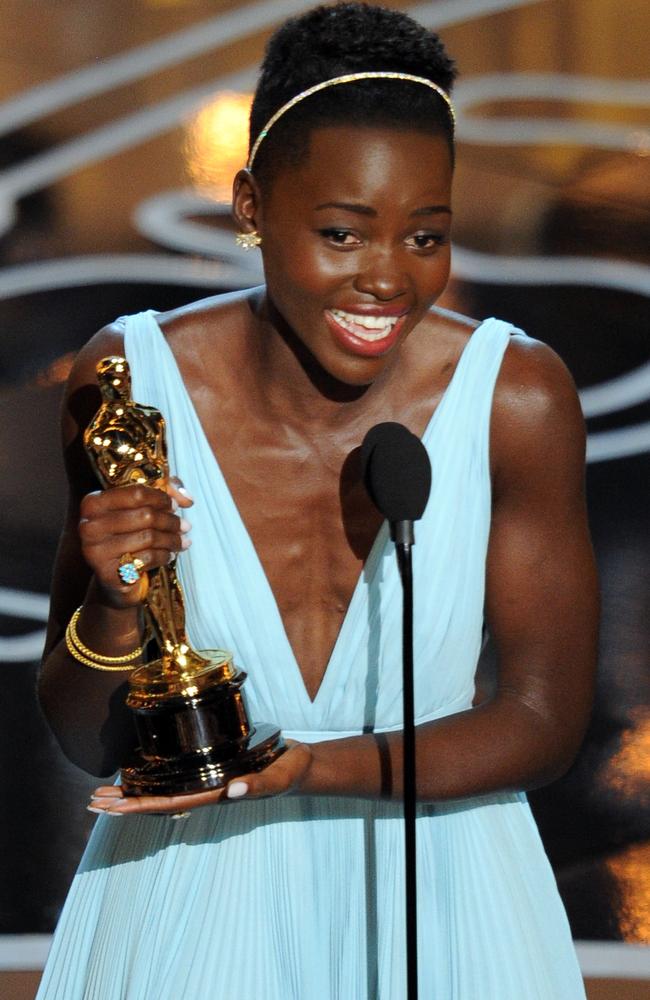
<point x="335" y="40"/>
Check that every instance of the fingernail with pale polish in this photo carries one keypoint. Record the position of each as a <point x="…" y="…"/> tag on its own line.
<point x="102" y="812"/>
<point x="186" y="494"/>
<point x="185" y="542"/>
<point x="237" y="789"/>
<point x="185" y="526"/>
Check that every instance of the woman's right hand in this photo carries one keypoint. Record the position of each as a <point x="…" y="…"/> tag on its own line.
<point x="139" y="520"/>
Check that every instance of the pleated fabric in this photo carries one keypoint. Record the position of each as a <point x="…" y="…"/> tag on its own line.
<point x="303" y="898"/>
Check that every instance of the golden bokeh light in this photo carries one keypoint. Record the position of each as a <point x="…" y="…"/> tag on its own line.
<point x="628" y="774"/>
<point x="628" y="771"/>
<point x="631" y="870"/>
<point x="216" y="144"/>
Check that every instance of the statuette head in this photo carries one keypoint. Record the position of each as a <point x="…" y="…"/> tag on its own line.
<point x="114" y="378"/>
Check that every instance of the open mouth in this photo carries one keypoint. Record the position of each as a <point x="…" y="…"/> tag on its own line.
<point x="363" y="333"/>
<point x="369" y="328"/>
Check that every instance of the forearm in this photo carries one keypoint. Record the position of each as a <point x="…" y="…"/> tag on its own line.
<point x="502" y="745"/>
<point x="85" y="706"/>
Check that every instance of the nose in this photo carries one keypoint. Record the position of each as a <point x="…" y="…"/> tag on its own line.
<point x="382" y="276"/>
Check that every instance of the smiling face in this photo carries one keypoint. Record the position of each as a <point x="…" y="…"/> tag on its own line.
<point x="355" y="241"/>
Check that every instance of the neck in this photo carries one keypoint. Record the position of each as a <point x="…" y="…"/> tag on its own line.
<point x="289" y="379"/>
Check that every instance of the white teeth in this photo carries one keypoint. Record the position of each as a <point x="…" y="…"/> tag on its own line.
<point x="380" y="326"/>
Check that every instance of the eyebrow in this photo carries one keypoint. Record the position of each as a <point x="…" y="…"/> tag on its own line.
<point x="367" y="210"/>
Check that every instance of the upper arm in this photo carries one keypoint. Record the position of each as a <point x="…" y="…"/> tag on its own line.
<point x="541" y="597"/>
<point x="81" y="401"/>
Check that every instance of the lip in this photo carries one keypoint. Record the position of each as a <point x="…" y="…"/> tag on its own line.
<point x="369" y="310"/>
<point x="366" y="348"/>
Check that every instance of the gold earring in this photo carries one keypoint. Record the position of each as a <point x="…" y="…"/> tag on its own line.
<point x="248" y="241"/>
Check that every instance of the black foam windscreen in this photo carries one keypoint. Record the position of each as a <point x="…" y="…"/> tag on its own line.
<point x="396" y="471"/>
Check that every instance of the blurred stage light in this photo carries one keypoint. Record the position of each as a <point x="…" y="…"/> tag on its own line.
<point x="631" y="871"/>
<point x="216" y="144"/>
<point x="628" y="771"/>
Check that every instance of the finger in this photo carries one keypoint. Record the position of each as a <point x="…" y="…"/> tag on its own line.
<point x="139" y="543"/>
<point x="124" y="497"/>
<point x="106" y="564"/>
<point x="179" y="493"/>
<point x="128" y="520"/>
<point x="153" y="548"/>
<point x="104" y="798"/>
<point x="129" y="805"/>
<point x="108" y="791"/>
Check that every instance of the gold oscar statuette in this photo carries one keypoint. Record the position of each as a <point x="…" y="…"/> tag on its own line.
<point x="189" y="710"/>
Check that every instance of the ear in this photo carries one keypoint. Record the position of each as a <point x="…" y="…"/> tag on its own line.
<point x="246" y="202"/>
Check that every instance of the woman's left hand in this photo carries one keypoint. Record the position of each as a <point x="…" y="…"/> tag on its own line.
<point x="283" y="777"/>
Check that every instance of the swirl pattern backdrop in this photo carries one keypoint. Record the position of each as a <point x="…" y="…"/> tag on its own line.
<point x="120" y="130"/>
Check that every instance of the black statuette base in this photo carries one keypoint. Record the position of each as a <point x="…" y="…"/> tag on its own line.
<point x="203" y="769"/>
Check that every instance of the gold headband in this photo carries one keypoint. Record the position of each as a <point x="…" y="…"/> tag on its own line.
<point x="348" y="78"/>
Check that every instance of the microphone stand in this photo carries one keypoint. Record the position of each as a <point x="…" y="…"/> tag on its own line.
<point x="397" y="474"/>
<point x="404" y="537"/>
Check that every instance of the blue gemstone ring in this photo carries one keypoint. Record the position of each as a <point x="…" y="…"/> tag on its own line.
<point x="129" y="568"/>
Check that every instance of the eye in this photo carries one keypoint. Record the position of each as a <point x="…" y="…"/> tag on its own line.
<point x="341" y="237"/>
<point x="427" y="240"/>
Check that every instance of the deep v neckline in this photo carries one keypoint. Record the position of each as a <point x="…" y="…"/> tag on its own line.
<point x="373" y="560"/>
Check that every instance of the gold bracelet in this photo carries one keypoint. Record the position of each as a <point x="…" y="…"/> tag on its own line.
<point x="91" y="663"/>
<point x="90" y="658"/>
<point x="99" y="657"/>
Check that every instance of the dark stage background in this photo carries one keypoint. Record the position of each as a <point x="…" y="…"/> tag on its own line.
<point x="121" y="124"/>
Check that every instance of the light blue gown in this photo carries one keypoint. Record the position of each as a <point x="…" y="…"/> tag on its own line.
<point x="302" y="898"/>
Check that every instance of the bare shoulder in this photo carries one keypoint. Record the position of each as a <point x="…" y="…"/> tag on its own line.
<point x="449" y="328"/>
<point x="534" y="385"/>
<point x="448" y="319"/>
<point x="225" y="312"/>
<point x="185" y="329"/>
<point x="536" y="416"/>
<point x="192" y="332"/>
<point x="82" y="393"/>
<point x="435" y="349"/>
<point x="81" y="401"/>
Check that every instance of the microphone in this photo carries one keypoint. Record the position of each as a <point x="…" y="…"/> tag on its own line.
<point x="397" y="475"/>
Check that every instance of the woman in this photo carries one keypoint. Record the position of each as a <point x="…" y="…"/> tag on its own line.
<point x="289" y="882"/>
